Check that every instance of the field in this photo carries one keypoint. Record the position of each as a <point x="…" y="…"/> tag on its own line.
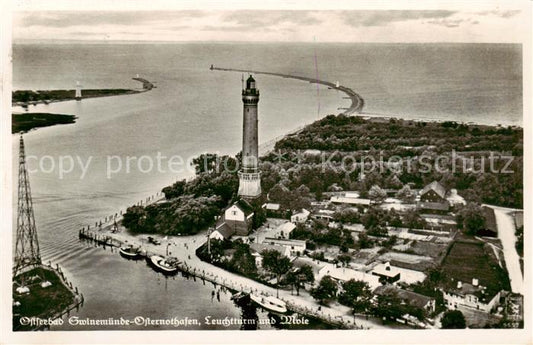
<point x="469" y="259"/>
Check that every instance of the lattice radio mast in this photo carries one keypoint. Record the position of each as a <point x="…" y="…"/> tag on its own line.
<point x="27" y="255"/>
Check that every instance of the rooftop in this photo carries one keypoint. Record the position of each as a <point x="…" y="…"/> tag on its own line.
<point x="435" y="186"/>
<point x="413" y="298"/>
<point x="244" y="206"/>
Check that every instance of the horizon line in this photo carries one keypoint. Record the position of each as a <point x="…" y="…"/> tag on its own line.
<point x="88" y="41"/>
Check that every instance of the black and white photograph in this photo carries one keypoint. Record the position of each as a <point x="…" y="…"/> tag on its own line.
<point x="318" y="173"/>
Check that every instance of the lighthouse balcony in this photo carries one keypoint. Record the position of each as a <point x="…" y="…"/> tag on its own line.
<point x="250" y="92"/>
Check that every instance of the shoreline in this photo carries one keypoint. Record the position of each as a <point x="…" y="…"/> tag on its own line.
<point x="98" y="93"/>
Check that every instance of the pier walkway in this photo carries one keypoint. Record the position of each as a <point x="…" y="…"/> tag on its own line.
<point x="357" y="101"/>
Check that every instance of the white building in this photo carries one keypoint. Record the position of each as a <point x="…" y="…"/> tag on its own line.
<point x="259" y="248"/>
<point x="472" y="296"/>
<point x="271" y="207"/>
<point x="326" y="215"/>
<point x="238" y="217"/>
<point x="343" y="274"/>
<point x="284" y="230"/>
<point x="296" y="247"/>
<point x="300" y="217"/>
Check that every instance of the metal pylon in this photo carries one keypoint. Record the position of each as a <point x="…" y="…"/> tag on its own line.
<point x="27" y="253"/>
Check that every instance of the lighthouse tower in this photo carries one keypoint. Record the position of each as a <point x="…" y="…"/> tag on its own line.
<point x="78" y="91"/>
<point x="249" y="175"/>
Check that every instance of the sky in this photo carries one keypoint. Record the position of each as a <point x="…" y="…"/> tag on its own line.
<point x="489" y="24"/>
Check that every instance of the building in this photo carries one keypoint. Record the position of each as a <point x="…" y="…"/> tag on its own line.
<point x="249" y="175"/>
<point x="350" y="198"/>
<point x="284" y="230"/>
<point x="472" y="296"/>
<point x="409" y="297"/>
<point x="237" y="218"/>
<point x="258" y="248"/>
<point x="222" y="232"/>
<point x="300" y="217"/>
<point x="343" y="274"/>
<point x="386" y="273"/>
<point x="326" y="215"/>
<point x="433" y="197"/>
<point x="296" y="247"/>
<point x="271" y="207"/>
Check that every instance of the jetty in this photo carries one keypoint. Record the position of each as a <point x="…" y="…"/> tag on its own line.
<point x="357" y="101"/>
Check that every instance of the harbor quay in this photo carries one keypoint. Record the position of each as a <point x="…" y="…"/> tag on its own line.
<point x="183" y="248"/>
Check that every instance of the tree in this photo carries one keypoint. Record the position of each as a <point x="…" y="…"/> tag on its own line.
<point x="344" y="259"/>
<point x="470" y="218"/>
<point x="364" y="242"/>
<point x="406" y="194"/>
<point x="356" y="294"/>
<point x="276" y="263"/>
<point x="177" y="189"/>
<point x="377" y="194"/>
<point x="243" y="260"/>
<point x="325" y="291"/>
<point x="412" y="220"/>
<point x="298" y="277"/>
<point x="379" y="231"/>
<point x="453" y="319"/>
<point x="388" y="306"/>
<point x="259" y="217"/>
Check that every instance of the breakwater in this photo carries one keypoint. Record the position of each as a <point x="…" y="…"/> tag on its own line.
<point x="357" y="101"/>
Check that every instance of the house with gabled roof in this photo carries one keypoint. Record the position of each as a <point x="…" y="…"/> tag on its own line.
<point x="409" y="297"/>
<point x="238" y="218"/>
<point x="433" y="197"/>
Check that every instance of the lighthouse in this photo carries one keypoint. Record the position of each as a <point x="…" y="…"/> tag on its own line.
<point x="249" y="175"/>
<point x="78" y="91"/>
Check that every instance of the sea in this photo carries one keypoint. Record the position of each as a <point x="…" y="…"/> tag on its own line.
<point x="108" y="160"/>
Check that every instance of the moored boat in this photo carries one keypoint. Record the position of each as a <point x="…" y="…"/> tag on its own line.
<point x="163" y="265"/>
<point x="270" y="302"/>
<point x="130" y="252"/>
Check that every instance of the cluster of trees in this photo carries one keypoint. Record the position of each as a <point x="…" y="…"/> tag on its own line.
<point x="319" y="234"/>
<point x="185" y="215"/>
<point x="470" y="219"/>
<point x="241" y="261"/>
<point x="453" y="319"/>
<point x="191" y="206"/>
<point x="478" y="179"/>
<point x="376" y="219"/>
<point x="345" y="133"/>
<point x="295" y="199"/>
<point x="221" y="183"/>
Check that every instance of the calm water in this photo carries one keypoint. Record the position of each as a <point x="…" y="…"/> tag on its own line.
<point x="195" y="110"/>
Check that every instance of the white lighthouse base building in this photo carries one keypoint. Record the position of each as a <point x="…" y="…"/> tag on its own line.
<point x="249" y="184"/>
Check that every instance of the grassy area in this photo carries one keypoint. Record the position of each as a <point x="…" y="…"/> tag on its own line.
<point x="40" y="302"/>
<point x="469" y="258"/>
<point x="28" y="121"/>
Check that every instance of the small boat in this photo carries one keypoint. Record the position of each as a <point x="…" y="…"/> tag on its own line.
<point x="164" y="265"/>
<point x="270" y="302"/>
<point x="130" y="252"/>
